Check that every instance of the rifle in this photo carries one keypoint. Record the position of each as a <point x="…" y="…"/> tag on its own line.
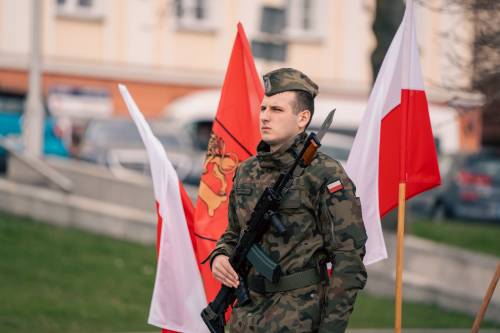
<point x="247" y="251"/>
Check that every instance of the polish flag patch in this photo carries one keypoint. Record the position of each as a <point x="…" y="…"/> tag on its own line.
<point x="335" y="186"/>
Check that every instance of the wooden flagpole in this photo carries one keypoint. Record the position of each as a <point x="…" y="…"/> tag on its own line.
<point x="486" y="300"/>
<point x="399" y="258"/>
<point x="398" y="308"/>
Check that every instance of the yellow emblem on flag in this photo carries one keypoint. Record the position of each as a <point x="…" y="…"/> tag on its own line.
<point x="219" y="165"/>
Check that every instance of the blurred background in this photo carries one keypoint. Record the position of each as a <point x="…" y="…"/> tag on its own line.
<point x="70" y="156"/>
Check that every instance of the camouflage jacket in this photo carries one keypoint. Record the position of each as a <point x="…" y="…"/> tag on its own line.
<point x="318" y="220"/>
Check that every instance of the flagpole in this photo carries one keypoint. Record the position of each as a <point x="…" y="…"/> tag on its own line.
<point x="486" y="300"/>
<point x="407" y="44"/>
<point x="399" y="257"/>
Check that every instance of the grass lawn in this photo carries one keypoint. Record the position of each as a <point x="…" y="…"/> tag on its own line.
<point x="63" y="280"/>
<point x="375" y="312"/>
<point x="480" y="237"/>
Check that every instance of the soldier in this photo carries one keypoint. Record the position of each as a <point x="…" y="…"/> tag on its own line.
<point x="322" y="215"/>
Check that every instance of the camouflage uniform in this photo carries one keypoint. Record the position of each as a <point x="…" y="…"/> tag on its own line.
<point x="318" y="221"/>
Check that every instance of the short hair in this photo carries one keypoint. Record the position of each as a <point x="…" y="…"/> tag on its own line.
<point x="304" y="101"/>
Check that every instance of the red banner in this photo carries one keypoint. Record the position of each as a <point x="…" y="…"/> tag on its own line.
<point x="235" y="135"/>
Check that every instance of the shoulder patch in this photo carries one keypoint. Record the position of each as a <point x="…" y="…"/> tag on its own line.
<point x="335" y="186"/>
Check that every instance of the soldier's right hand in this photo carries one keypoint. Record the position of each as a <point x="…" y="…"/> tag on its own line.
<point x="224" y="272"/>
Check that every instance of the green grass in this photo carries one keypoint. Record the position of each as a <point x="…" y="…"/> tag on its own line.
<point x="63" y="280"/>
<point x="56" y="279"/>
<point x="480" y="237"/>
<point x="379" y="313"/>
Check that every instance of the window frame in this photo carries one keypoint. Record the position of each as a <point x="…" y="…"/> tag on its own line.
<point x="188" y="21"/>
<point x="294" y="29"/>
<point x="72" y="9"/>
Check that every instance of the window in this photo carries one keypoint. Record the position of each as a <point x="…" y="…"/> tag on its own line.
<point x="274" y="51"/>
<point x="299" y="20"/>
<point x="80" y="9"/>
<point x="85" y="3"/>
<point x="270" y="43"/>
<point x="11" y="103"/>
<point x="194" y="14"/>
<point x="304" y="19"/>
<point x="273" y="20"/>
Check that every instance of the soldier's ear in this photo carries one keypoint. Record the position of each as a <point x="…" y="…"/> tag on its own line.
<point x="303" y="118"/>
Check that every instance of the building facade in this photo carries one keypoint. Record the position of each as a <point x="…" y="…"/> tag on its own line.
<point x="164" y="49"/>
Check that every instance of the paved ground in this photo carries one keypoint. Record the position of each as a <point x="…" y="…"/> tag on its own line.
<point x="422" y="330"/>
<point x="412" y="330"/>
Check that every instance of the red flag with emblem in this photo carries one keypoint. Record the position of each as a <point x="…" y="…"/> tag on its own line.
<point x="235" y="135"/>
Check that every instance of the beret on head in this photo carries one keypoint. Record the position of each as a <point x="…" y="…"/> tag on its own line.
<point x="286" y="79"/>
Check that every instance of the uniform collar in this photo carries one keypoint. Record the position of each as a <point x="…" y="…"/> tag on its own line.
<point x="282" y="158"/>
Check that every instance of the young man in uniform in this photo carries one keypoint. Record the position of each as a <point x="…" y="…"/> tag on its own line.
<point x="320" y="211"/>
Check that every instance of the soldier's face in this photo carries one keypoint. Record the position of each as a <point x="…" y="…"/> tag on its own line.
<point x="279" y="122"/>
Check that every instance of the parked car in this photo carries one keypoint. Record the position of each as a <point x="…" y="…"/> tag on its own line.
<point x="116" y="143"/>
<point x="11" y="116"/>
<point x="193" y="143"/>
<point x="470" y="188"/>
<point x="337" y="146"/>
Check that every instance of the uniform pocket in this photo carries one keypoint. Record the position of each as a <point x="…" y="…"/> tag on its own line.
<point x="326" y="224"/>
<point x="245" y="197"/>
<point x="244" y="194"/>
<point x="243" y="190"/>
<point x="303" y="307"/>
<point x="292" y="199"/>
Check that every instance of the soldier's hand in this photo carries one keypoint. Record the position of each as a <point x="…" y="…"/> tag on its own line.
<point x="224" y="272"/>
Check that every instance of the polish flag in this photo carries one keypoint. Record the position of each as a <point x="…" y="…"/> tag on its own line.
<point x="234" y="138"/>
<point x="178" y="295"/>
<point x="394" y="142"/>
<point x="335" y="186"/>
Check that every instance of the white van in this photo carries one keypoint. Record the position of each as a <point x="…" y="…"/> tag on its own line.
<point x="195" y="112"/>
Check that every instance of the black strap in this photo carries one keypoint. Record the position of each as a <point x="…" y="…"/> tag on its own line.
<point x="286" y="283"/>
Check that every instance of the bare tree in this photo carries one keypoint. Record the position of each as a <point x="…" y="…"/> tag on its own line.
<point x="484" y="65"/>
<point x="388" y="15"/>
<point x="486" y="75"/>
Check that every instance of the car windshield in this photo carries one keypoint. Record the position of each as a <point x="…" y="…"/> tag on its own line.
<point x="14" y="104"/>
<point x="490" y="167"/>
<point x="335" y="152"/>
<point x="123" y="132"/>
<point x="11" y="104"/>
<point x="168" y="140"/>
<point x="336" y="145"/>
<point x="168" y="133"/>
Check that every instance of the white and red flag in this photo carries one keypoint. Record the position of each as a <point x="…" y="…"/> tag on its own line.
<point x="394" y="143"/>
<point x="178" y="295"/>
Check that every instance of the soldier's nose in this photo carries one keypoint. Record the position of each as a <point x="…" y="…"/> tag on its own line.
<point x="264" y="115"/>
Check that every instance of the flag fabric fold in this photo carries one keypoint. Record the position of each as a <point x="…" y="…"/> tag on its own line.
<point x="235" y="135"/>
<point x="394" y="142"/>
<point x="178" y="295"/>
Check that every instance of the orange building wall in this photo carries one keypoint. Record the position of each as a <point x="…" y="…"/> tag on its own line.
<point x="150" y="97"/>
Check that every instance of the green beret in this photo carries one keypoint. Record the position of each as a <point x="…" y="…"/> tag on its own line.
<point x="286" y="79"/>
